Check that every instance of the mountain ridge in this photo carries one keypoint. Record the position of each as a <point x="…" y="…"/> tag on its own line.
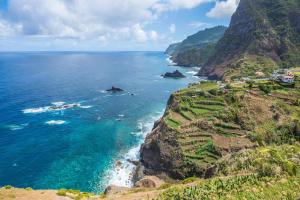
<point x="262" y="32"/>
<point x="196" y="48"/>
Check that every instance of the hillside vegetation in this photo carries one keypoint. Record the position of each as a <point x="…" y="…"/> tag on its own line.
<point x="263" y="35"/>
<point x="196" y="49"/>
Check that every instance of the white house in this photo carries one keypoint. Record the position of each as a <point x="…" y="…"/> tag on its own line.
<point x="287" y="78"/>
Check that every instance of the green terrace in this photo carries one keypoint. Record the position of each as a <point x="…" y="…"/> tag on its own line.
<point x="255" y="174"/>
<point x="204" y="110"/>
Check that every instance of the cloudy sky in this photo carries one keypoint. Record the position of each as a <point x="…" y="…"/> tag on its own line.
<point x="105" y="25"/>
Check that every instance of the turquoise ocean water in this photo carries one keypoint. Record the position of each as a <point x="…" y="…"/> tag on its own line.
<point x="78" y="144"/>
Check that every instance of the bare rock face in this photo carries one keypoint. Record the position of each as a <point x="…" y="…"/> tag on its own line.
<point x="114" y="190"/>
<point x="160" y="152"/>
<point x="149" y="182"/>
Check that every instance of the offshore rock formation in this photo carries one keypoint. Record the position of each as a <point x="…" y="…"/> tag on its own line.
<point x="115" y="89"/>
<point x="175" y="74"/>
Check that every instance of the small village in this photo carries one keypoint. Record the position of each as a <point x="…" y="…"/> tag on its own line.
<point x="289" y="78"/>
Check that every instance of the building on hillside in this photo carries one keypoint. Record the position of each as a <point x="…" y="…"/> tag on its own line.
<point x="288" y="77"/>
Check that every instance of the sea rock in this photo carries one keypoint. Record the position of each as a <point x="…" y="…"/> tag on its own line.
<point x="118" y="164"/>
<point x="113" y="190"/>
<point x="134" y="162"/>
<point x="175" y="74"/>
<point x="138" y="173"/>
<point x="149" y="182"/>
<point x="115" y="89"/>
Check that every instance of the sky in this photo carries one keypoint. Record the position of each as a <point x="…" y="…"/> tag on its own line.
<point x="106" y="25"/>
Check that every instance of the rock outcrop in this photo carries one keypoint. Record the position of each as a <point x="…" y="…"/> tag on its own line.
<point x="115" y="89"/>
<point x="175" y="74"/>
<point x="149" y="182"/>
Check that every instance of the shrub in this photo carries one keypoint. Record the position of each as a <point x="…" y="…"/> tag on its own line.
<point x="228" y="86"/>
<point x="266" y="89"/>
<point x="8" y="187"/>
<point x="61" y="192"/>
<point x="165" y="186"/>
<point x="189" y="180"/>
<point x="213" y="92"/>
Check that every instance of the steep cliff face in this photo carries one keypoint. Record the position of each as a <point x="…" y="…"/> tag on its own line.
<point x="261" y="31"/>
<point x="196" y="49"/>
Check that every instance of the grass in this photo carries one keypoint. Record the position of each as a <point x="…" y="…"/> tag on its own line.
<point x="62" y="192"/>
<point x="249" y="187"/>
<point x="74" y="194"/>
<point x="248" y="65"/>
<point x="273" y="161"/>
<point x="172" y="123"/>
<point x="273" y="174"/>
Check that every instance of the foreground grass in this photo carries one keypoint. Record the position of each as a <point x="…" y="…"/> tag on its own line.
<point x="239" y="187"/>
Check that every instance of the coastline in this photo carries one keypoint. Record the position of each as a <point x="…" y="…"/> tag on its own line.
<point x="121" y="172"/>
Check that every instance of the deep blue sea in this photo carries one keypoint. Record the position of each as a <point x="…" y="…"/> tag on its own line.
<point x="77" y="144"/>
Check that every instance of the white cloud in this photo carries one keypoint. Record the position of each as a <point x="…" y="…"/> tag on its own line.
<point x="102" y="21"/>
<point x="153" y="35"/>
<point x="223" y="9"/>
<point x="199" y="25"/>
<point x="187" y="4"/>
<point x="139" y="34"/>
<point x="172" y="28"/>
<point x="168" y="5"/>
<point x="7" y="29"/>
<point x="117" y="19"/>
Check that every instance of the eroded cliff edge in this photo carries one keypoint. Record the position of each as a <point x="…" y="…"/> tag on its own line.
<point x="208" y="121"/>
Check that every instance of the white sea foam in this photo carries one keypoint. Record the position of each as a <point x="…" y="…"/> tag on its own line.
<point x="59" y="103"/>
<point x="55" y="122"/>
<point x="170" y="61"/>
<point x="192" y="72"/>
<point x="36" y="110"/>
<point x="103" y="91"/>
<point x="56" y="106"/>
<point x="15" y="127"/>
<point x="85" y="107"/>
<point x="121" y="170"/>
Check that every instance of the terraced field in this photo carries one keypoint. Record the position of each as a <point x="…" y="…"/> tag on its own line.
<point x="195" y="117"/>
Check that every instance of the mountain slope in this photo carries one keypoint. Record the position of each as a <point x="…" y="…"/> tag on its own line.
<point x="196" y="49"/>
<point x="261" y="33"/>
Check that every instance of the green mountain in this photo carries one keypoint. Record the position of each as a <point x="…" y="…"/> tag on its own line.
<point x="196" y="49"/>
<point x="263" y="35"/>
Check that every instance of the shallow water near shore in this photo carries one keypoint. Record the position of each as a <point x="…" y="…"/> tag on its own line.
<point x="60" y="129"/>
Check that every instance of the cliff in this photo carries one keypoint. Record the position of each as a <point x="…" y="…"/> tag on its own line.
<point x="196" y="49"/>
<point x="205" y="122"/>
<point x="263" y="35"/>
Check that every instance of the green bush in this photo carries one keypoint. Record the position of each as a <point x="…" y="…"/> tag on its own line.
<point x="189" y="180"/>
<point x="213" y="92"/>
<point x="61" y="192"/>
<point x="228" y="86"/>
<point x="265" y="88"/>
<point x="7" y="187"/>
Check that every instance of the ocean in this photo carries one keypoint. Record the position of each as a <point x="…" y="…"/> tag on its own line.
<point x="59" y="128"/>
